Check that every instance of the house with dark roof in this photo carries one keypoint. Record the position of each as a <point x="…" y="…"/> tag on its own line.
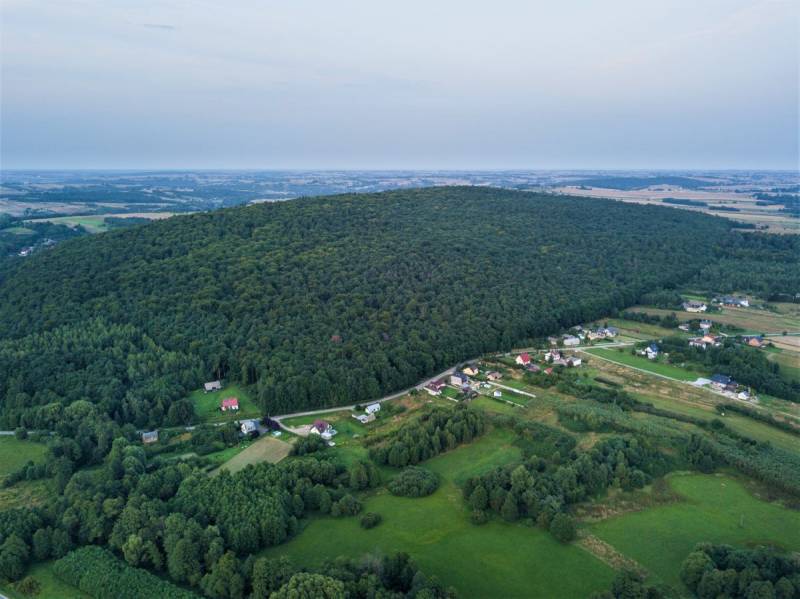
<point x="721" y="381"/>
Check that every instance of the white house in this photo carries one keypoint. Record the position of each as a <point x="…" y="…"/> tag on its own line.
<point x="651" y="351"/>
<point x="212" y="386"/>
<point x="693" y="306"/>
<point x="523" y="359"/>
<point x="248" y="426"/>
<point x="571" y="341"/>
<point x="372" y="408"/>
<point x="498" y="393"/>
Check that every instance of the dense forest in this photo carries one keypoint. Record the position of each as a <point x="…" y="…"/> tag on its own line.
<point x="340" y="299"/>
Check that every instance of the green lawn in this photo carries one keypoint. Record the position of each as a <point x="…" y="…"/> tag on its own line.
<point x="717" y="508"/>
<point x="52" y="587"/>
<point x="624" y="357"/>
<point x="18" y="231"/>
<point x="206" y="405"/>
<point x="494" y="560"/>
<point x="14" y="453"/>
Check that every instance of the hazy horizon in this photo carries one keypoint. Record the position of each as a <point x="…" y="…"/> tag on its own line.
<point x="168" y="85"/>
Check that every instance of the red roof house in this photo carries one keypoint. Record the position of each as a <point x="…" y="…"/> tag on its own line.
<point x="229" y="403"/>
<point x="523" y="359"/>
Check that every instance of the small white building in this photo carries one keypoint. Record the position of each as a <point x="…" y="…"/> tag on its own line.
<point x="372" y="408"/>
<point x="248" y="426"/>
<point x="212" y="386"/>
<point x="571" y="341"/>
<point x="498" y="393"/>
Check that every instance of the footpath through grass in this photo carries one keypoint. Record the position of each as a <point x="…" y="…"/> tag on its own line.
<point x="493" y="560"/>
<point x="624" y="357"/>
<point x="716" y="508"/>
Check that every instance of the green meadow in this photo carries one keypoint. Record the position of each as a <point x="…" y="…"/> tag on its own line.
<point x="624" y="357"/>
<point x="493" y="560"/>
<point x="206" y="405"/>
<point x="715" y="508"/>
<point x="14" y="453"/>
<point x="52" y="587"/>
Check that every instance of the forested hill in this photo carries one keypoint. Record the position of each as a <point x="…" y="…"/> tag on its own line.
<point x="322" y="301"/>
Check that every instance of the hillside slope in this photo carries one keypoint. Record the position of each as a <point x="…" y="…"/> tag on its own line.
<point x="322" y="301"/>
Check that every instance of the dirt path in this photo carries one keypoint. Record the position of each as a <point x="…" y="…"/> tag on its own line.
<point x="609" y="555"/>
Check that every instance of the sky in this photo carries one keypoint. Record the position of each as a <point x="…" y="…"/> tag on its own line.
<point x="620" y="84"/>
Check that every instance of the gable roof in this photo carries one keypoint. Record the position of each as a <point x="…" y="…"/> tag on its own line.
<point x="230" y="402"/>
<point x="721" y="379"/>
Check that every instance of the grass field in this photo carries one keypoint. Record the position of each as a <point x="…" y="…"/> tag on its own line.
<point x="716" y="508"/>
<point x="625" y="357"/>
<point x="52" y="587"/>
<point x="789" y="362"/>
<point x="18" y="231"/>
<point x="96" y="223"/>
<point x="265" y="449"/>
<point x="641" y="330"/>
<point x="206" y="405"/>
<point x="494" y="560"/>
<point x="14" y="453"/>
<point x="750" y="319"/>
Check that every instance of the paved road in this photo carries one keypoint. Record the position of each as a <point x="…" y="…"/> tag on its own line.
<point x="397" y="395"/>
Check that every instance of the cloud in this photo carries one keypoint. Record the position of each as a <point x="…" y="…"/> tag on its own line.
<point x="160" y="26"/>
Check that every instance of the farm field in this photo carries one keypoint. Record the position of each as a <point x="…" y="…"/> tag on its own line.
<point x="264" y="449"/>
<point x="96" y="223"/>
<point x="14" y="453"/>
<point x="493" y="560"/>
<point x="750" y="319"/>
<point x="641" y="330"/>
<point x="624" y="357"/>
<point x="206" y="405"/>
<point x="715" y="508"/>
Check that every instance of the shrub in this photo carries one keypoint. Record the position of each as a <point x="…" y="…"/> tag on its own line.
<point x="562" y="528"/>
<point x="29" y="586"/>
<point x="370" y="520"/>
<point x="414" y="482"/>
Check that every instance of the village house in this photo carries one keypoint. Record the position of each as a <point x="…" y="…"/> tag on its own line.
<point x="323" y="429"/>
<point x="523" y="359"/>
<point x="574" y="361"/>
<point x="706" y="324"/>
<point x="364" y="418"/>
<point x="248" y="426"/>
<point x="459" y="379"/>
<point x="229" y="404"/>
<point x="494" y="376"/>
<point x="753" y="340"/>
<point x="212" y="386"/>
<point x="571" y="341"/>
<point x="471" y="370"/>
<point x="693" y="306"/>
<point x="552" y="355"/>
<point x="651" y="351"/>
<point x="533" y="368"/>
<point x="560" y="362"/>
<point x="150" y="437"/>
<point x="373" y="408"/>
<point x="734" y="301"/>
<point x="684" y="327"/>
<point x="498" y="393"/>
<point x="435" y="388"/>
<point x="548" y="371"/>
<point x="721" y="381"/>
